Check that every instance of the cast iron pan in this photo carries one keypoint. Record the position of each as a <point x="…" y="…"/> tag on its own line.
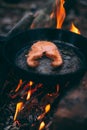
<point x="17" y="47"/>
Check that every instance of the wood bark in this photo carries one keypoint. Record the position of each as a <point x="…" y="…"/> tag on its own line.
<point x="42" y="17"/>
<point x="22" y="25"/>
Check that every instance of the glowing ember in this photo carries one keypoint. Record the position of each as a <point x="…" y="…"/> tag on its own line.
<point x="60" y="13"/>
<point x="29" y="92"/>
<point x="42" y="125"/>
<point x="30" y="83"/>
<point x="41" y="116"/>
<point x="74" y="29"/>
<point x="18" y="109"/>
<point x="28" y="95"/>
<point x="19" y="85"/>
<point x="58" y="88"/>
<point x="47" y="108"/>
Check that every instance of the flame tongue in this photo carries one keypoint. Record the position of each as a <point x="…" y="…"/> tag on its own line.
<point x="42" y="125"/>
<point x="74" y="29"/>
<point x="47" y="108"/>
<point x="19" y="85"/>
<point x="28" y="95"/>
<point x="18" y="109"/>
<point x="60" y="13"/>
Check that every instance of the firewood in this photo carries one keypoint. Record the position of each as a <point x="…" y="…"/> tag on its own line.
<point x="22" y="25"/>
<point x="42" y="17"/>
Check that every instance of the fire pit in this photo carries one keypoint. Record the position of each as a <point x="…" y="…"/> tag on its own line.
<point x="30" y="99"/>
<point x="27" y="104"/>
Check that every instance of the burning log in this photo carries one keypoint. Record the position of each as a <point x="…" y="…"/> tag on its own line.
<point x="46" y="17"/>
<point x="29" y="114"/>
<point x="33" y="110"/>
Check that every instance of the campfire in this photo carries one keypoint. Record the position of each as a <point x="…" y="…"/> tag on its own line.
<point x="30" y="105"/>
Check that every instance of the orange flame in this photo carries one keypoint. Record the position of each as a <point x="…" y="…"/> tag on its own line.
<point x="41" y="116"/>
<point x="18" y="109"/>
<point x="30" y="83"/>
<point x="42" y="125"/>
<point x="28" y="95"/>
<point x="19" y="85"/>
<point x="47" y="108"/>
<point x="60" y="13"/>
<point x="74" y="29"/>
<point x="29" y="92"/>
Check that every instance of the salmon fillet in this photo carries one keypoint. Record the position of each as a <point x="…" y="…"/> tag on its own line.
<point x="40" y="48"/>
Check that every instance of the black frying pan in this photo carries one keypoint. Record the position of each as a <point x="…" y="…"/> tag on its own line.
<point x="17" y="47"/>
